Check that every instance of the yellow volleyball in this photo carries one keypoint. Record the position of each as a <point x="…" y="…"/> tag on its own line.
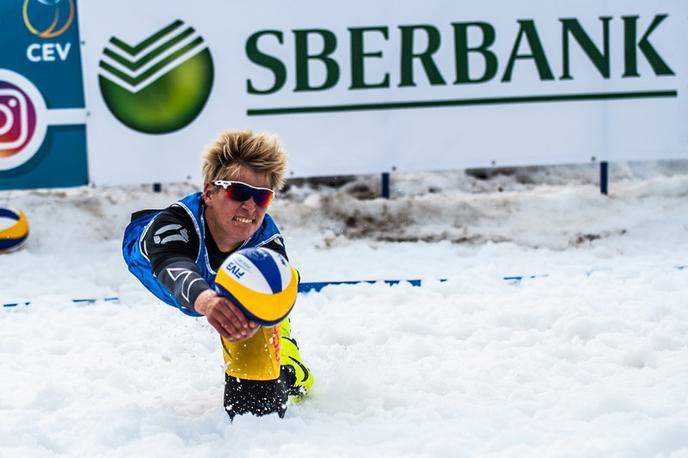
<point x="14" y="229"/>
<point x="259" y="281"/>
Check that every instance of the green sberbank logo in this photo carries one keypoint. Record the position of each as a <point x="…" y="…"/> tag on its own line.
<point x="160" y="84"/>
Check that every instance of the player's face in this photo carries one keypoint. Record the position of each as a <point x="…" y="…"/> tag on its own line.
<point x="230" y="221"/>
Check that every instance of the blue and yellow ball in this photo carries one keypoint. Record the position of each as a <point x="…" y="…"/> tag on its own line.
<point x="260" y="282"/>
<point x="14" y="229"/>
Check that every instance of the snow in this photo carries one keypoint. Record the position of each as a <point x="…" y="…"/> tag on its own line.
<point x="588" y="359"/>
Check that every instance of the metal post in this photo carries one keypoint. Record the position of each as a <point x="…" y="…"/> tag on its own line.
<point x="604" y="177"/>
<point x="385" y="185"/>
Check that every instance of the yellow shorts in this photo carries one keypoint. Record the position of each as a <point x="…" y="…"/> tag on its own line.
<point x="257" y="358"/>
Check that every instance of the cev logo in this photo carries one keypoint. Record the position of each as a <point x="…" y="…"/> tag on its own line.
<point x="24" y="119"/>
<point x="48" y="24"/>
<point x="58" y="12"/>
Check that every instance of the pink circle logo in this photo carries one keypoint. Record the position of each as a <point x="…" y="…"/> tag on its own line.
<point x="17" y="119"/>
<point x="23" y="122"/>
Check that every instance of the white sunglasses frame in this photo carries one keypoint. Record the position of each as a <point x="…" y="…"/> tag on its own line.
<point x="225" y="183"/>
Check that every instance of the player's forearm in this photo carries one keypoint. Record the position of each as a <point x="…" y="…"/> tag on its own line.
<point x="182" y="280"/>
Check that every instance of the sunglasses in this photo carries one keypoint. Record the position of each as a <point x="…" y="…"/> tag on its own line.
<point x="241" y="192"/>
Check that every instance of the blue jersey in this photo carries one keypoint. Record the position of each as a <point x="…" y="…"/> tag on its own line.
<point x="141" y="267"/>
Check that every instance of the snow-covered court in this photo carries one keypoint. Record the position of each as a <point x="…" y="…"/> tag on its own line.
<point x="589" y="358"/>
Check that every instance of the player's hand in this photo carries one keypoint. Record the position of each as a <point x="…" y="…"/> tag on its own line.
<point x="225" y="317"/>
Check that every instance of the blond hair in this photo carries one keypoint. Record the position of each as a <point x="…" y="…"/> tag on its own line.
<point x="232" y="149"/>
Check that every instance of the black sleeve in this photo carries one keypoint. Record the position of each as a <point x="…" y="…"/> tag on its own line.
<point x="170" y="235"/>
<point x="171" y="244"/>
<point x="181" y="278"/>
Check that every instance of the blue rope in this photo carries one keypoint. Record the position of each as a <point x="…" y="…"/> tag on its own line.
<point x="317" y="286"/>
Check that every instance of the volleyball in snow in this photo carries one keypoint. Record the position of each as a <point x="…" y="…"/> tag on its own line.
<point x="14" y="229"/>
<point x="259" y="281"/>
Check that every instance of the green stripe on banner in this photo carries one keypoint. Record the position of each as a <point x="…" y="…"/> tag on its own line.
<point x="462" y="102"/>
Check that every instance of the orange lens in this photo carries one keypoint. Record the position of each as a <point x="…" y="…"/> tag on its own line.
<point x="241" y="192"/>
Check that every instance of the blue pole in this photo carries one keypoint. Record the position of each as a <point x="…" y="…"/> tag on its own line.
<point x="385" y="185"/>
<point x="604" y="177"/>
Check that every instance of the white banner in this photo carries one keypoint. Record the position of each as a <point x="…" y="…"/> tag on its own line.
<point x="364" y="87"/>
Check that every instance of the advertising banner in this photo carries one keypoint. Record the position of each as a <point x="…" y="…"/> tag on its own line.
<point x="364" y="87"/>
<point x="42" y="115"/>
